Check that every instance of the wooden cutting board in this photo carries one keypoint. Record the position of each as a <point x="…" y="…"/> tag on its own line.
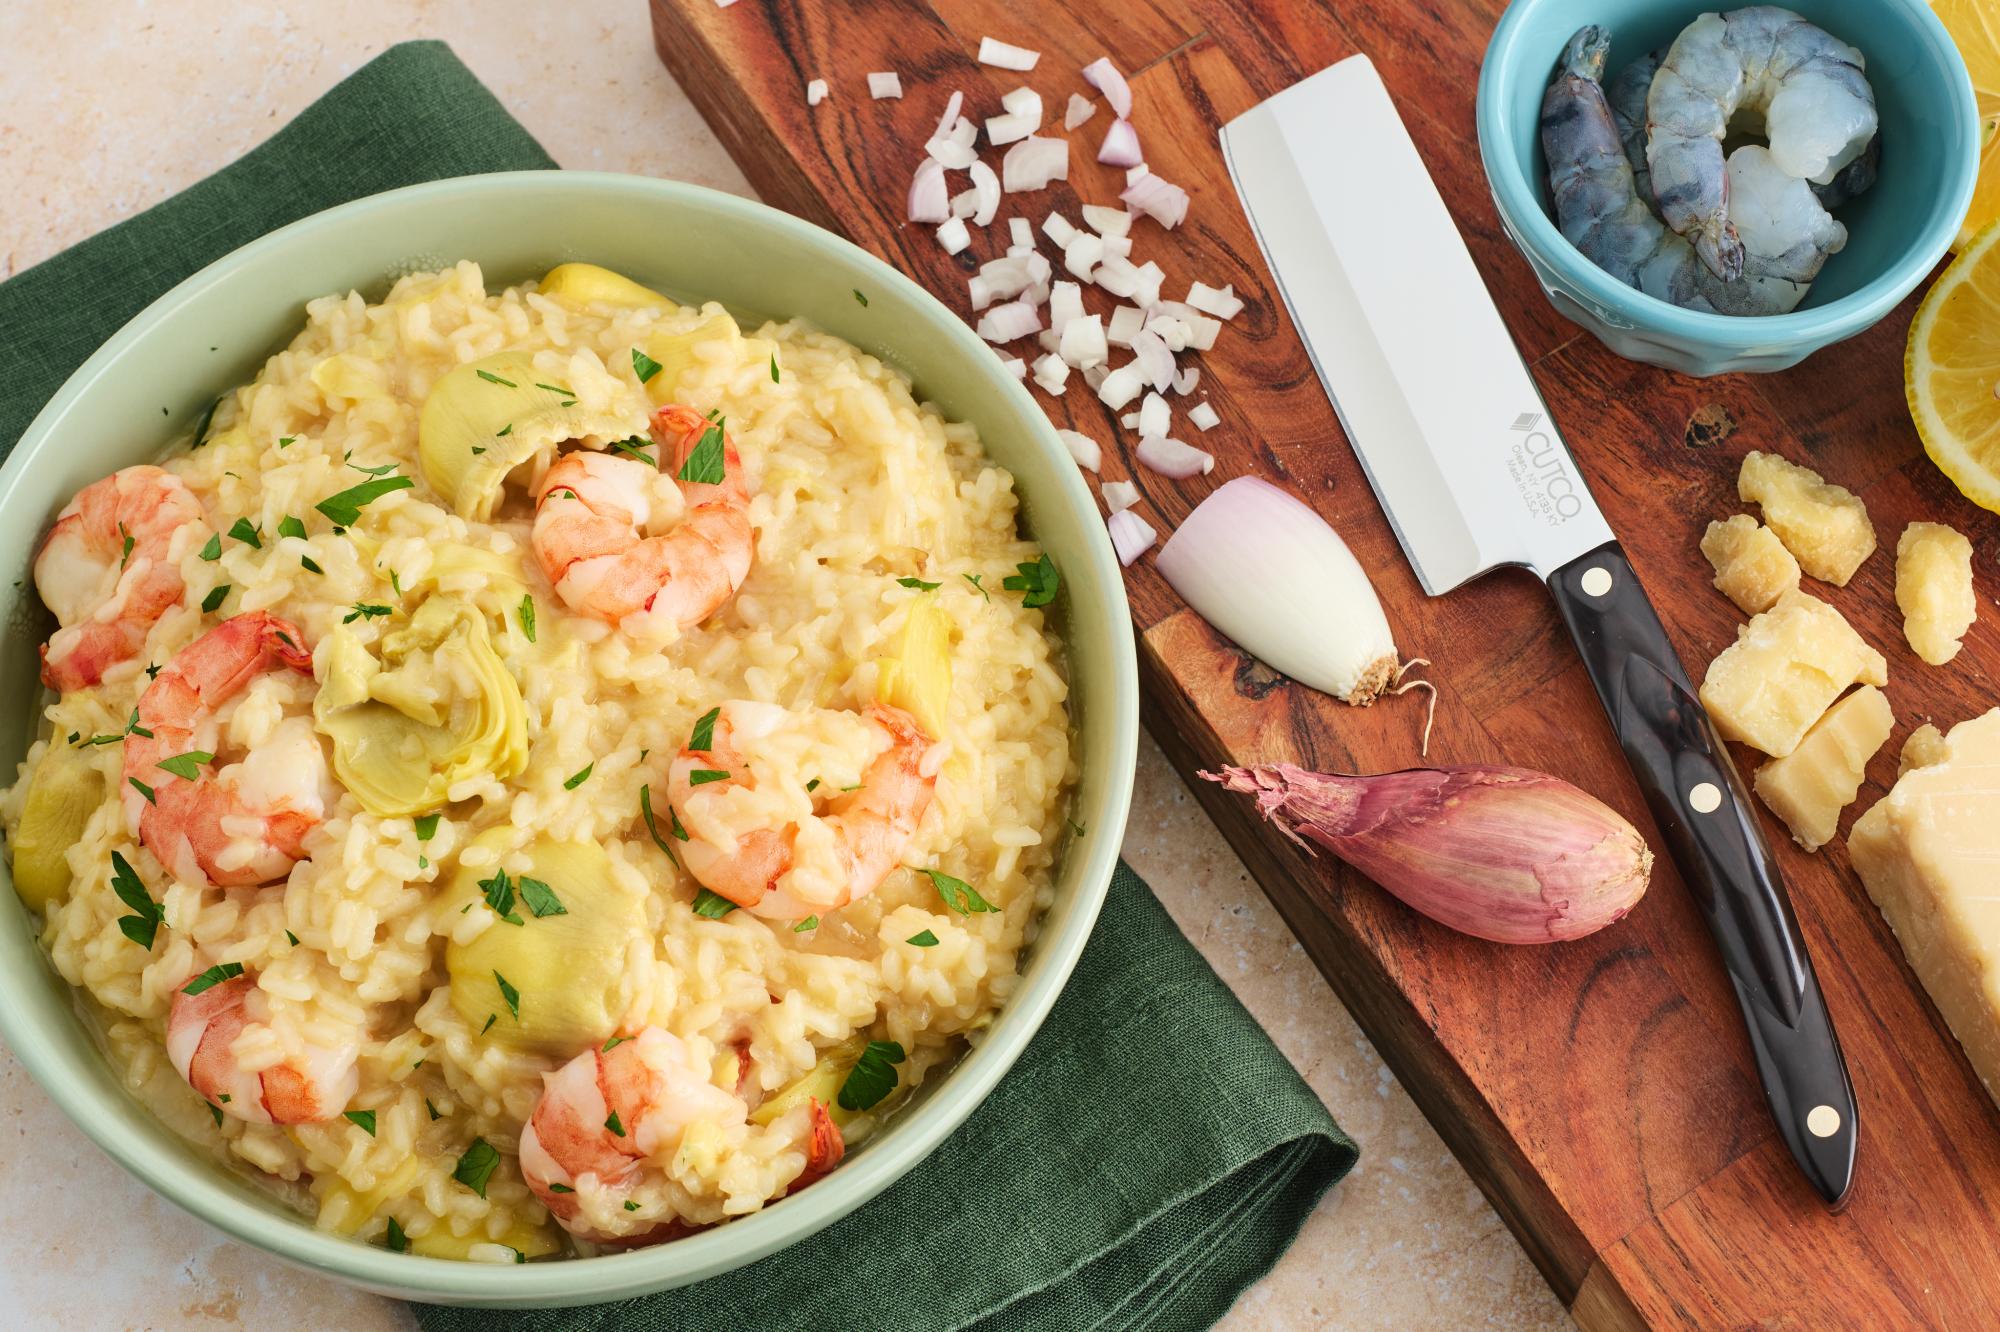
<point x="1602" y="1091"/>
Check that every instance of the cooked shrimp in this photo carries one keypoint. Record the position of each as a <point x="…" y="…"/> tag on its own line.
<point x="1819" y="114"/>
<point x="607" y="1112"/>
<point x="245" y="823"/>
<point x="111" y="567"/>
<point x="592" y="510"/>
<point x="202" y="1028"/>
<point x="859" y="838"/>
<point x="1786" y="234"/>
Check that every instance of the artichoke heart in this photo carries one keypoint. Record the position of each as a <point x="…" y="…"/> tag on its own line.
<point x="436" y="708"/>
<point x="916" y="675"/>
<point x="485" y="418"/>
<point x="63" y="791"/>
<point x="676" y="353"/>
<point x="822" y="1083"/>
<point x="530" y="1239"/>
<point x="587" y="284"/>
<point x="566" y="972"/>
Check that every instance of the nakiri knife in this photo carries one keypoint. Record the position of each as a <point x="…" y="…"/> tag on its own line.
<point x="1460" y="450"/>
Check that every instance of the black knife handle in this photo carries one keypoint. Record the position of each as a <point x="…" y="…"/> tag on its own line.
<point x="1704" y="813"/>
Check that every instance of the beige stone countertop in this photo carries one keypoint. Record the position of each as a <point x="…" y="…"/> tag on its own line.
<point x="109" y="106"/>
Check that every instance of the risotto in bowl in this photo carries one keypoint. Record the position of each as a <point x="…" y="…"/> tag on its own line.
<point x="545" y="768"/>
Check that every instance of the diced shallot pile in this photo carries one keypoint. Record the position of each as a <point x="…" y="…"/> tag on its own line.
<point x="1127" y="354"/>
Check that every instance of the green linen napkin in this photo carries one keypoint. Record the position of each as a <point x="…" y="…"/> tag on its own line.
<point x="1149" y="1156"/>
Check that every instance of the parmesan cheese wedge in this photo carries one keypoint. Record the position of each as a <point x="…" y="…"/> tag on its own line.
<point x="1769" y="686"/>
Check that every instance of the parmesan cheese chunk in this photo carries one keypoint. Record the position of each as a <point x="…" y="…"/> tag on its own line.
<point x="1923" y="747"/>
<point x="1769" y="686"/>
<point x="1825" y="526"/>
<point x="1810" y="786"/>
<point x="1752" y="567"/>
<point x="1934" y="590"/>
<point x="1926" y="853"/>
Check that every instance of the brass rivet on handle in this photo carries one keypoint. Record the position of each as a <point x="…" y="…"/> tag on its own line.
<point x="1823" y="1121"/>
<point x="1705" y="798"/>
<point x="1596" y="581"/>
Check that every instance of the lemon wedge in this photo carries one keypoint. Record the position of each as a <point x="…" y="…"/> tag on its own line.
<point x="1975" y="26"/>
<point x="1951" y="370"/>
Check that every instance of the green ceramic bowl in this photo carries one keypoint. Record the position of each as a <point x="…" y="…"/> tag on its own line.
<point x="683" y="240"/>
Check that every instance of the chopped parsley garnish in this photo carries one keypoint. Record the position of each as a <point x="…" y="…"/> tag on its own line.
<point x="501" y="433"/>
<point x="105" y="739"/>
<point x="923" y="939"/>
<point x="704" y="461"/>
<point x="396" y="584"/>
<point x="397" y="1241"/>
<point x="578" y="779"/>
<point x="611" y="1122"/>
<point x="872" y="1077"/>
<point x="974" y="580"/>
<point x="207" y="419"/>
<point x="855" y="787"/>
<point x="499" y="892"/>
<point x="1074" y="826"/>
<point x="310" y="565"/>
<point x="291" y="526"/>
<point x="528" y="616"/>
<point x="631" y="1206"/>
<point x="213" y="550"/>
<point x="702" y="738"/>
<point x="125" y="552"/>
<point x="646" y="809"/>
<point x="560" y="1188"/>
<point x="293" y="939"/>
<point x="383" y="470"/>
<point x="476" y="1166"/>
<point x="246" y="531"/>
<point x="680" y="834"/>
<point x="427" y="827"/>
<point x="215" y="1112"/>
<point x="132" y="726"/>
<point x="558" y="390"/>
<point x="959" y="895"/>
<point x="287" y="441"/>
<point x="143" y="790"/>
<point x="812" y="786"/>
<point x="703" y="776"/>
<point x="144" y="922"/>
<point x="478" y="449"/>
<point x="632" y="447"/>
<point x="214" y="598"/>
<point x="541" y="899"/>
<point x="152" y="671"/>
<point x="774" y="367"/>
<point x="712" y="906"/>
<point x="492" y="378"/>
<point x="859" y="297"/>
<point x="919" y="584"/>
<point x="615" y="1040"/>
<point x="213" y="977"/>
<point x="644" y="366"/>
<point x="491" y="1018"/>
<point x="809" y="923"/>
<point x="361" y="1119"/>
<point x="510" y="994"/>
<point x="186" y="766"/>
<point x="365" y="611"/>
<point x="431" y="1110"/>
<point x="344" y="509"/>
<point x="1038" y="581"/>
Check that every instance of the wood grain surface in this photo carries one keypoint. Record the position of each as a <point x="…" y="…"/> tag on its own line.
<point x="1602" y="1091"/>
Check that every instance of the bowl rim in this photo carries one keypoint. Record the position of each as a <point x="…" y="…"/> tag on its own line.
<point x="201" y="1188"/>
<point x="1525" y="218"/>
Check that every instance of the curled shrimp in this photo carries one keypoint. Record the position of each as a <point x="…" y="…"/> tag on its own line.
<point x="1786" y="233"/>
<point x="606" y="1113"/>
<point x="591" y="513"/>
<point x="858" y="839"/>
<point x="202" y="1028"/>
<point x="1818" y="110"/>
<point x="111" y="567"/>
<point x="245" y="823"/>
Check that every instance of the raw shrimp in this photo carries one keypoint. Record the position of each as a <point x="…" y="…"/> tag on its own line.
<point x="1787" y="235"/>
<point x="111" y="567"/>
<point x="1819" y="114"/>
<point x="305" y="1088"/>
<point x="247" y="822"/>
<point x="608" y="1111"/>
<point x="861" y="834"/>
<point x="592" y="511"/>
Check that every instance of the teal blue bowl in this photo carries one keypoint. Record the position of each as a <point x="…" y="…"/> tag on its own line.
<point x="1896" y="232"/>
<point x="217" y="328"/>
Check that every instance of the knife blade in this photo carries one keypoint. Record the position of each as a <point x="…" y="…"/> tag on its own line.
<point x="1474" y="476"/>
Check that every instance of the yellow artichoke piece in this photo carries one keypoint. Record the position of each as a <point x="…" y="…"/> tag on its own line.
<point x="821" y="1083"/>
<point x="438" y="706"/>
<point x="586" y="284"/>
<point x="916" y="675"/>
<point x="63" y="791"/>
<point x="567" y="969"/>
<point x="525" y="1237"/>
<point x="345" y="375"/>
<point x="465" y="454"/>
<point x="676" y="353"/>
<point x="345" y="1209"/>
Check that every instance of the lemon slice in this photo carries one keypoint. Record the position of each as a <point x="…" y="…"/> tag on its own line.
<point x="1975" y="26"/>
<point x="1951" y="370"/>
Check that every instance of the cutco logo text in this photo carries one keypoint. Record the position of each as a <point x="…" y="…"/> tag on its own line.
<point x="1541" y="473"/>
